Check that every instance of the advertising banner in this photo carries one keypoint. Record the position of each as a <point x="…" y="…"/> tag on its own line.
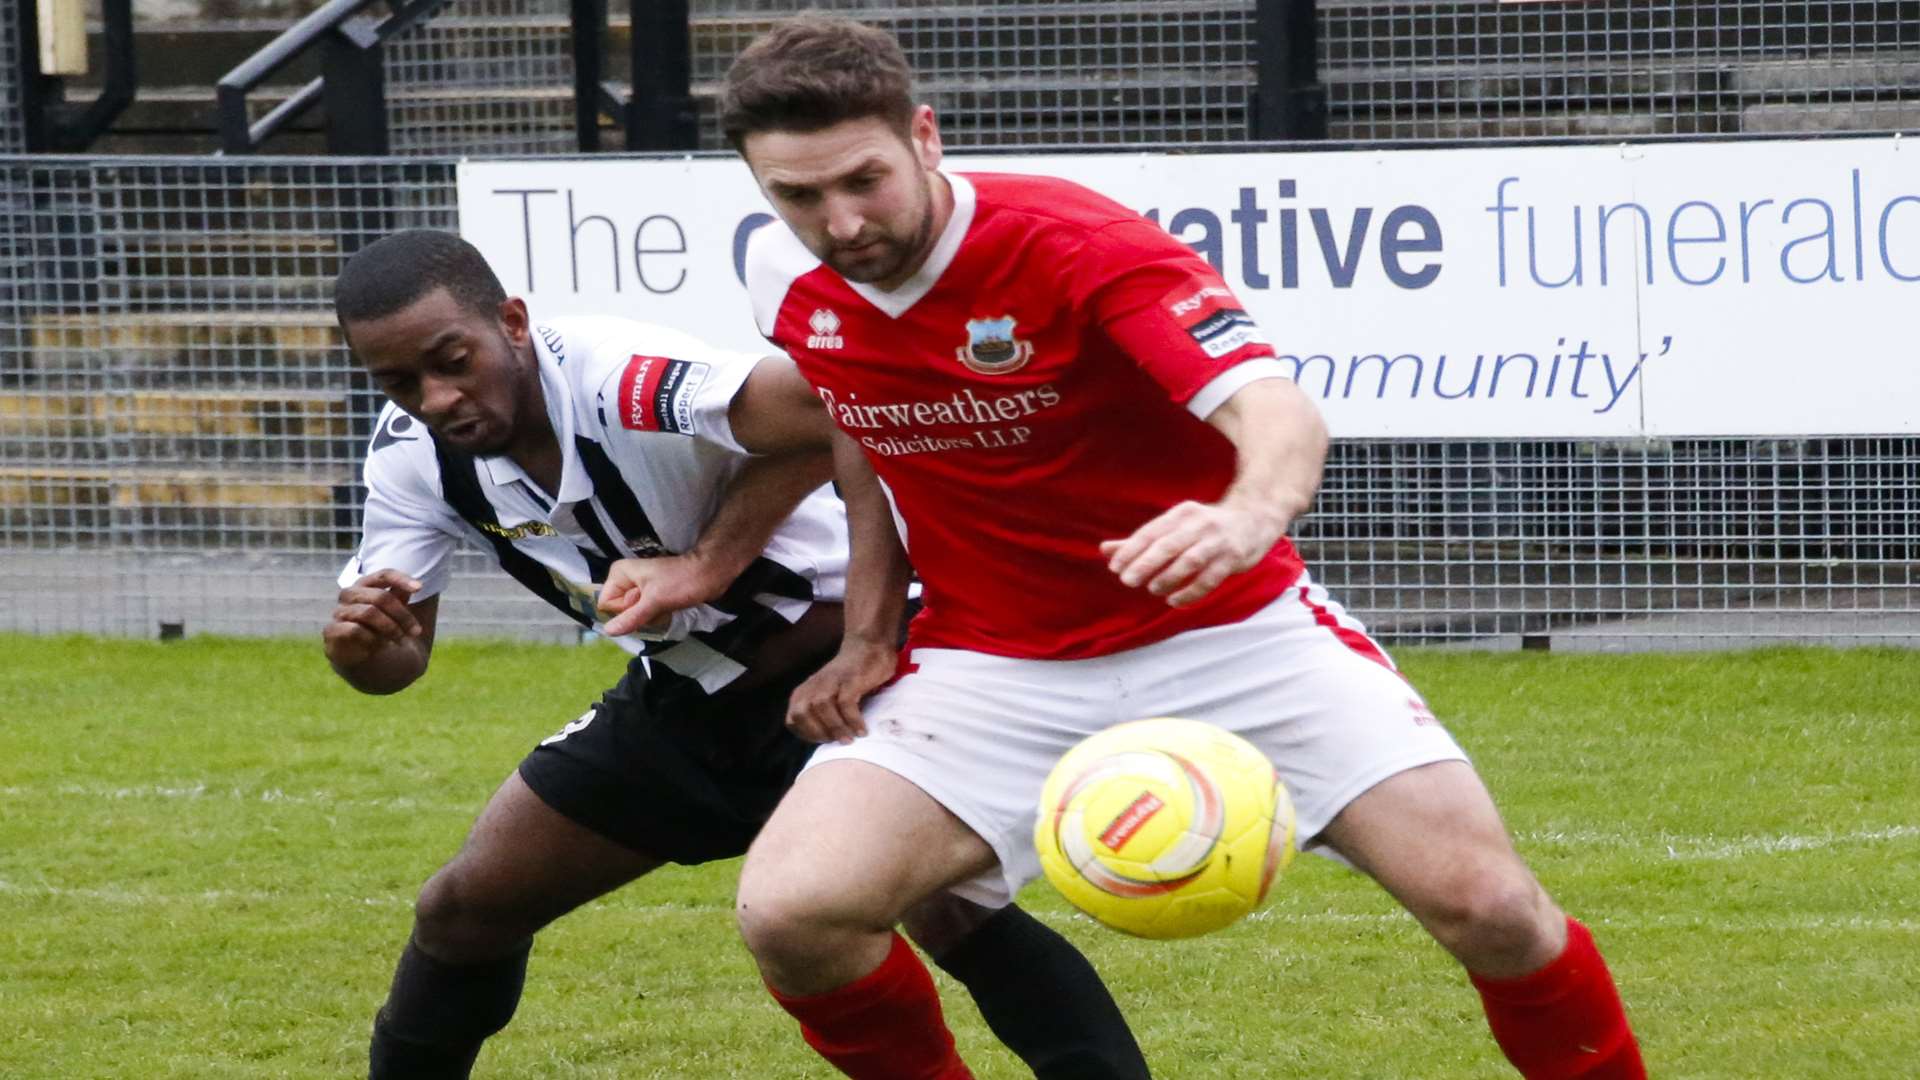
<point x="1696" y="289"/>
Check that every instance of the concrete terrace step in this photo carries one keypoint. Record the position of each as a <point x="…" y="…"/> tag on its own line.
<point x="1837" y="116"/>
<point x="162" y="502"/>
<point x="200" y="292"/>
<point x="41" y="417"/>
<point x="227" y="340"/>
<point x="1517" y="124"/>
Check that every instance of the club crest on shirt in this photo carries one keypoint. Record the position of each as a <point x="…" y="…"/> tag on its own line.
<point x="991" y="348"/>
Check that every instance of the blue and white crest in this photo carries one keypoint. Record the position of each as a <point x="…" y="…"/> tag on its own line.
<point x="991" y="348"/>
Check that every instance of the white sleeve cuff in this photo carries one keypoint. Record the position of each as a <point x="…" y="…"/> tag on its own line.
<point x="1227" y="383"/>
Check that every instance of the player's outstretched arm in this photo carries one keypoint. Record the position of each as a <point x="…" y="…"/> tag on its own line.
<point x="377" y="641"/>
<point x="642" y="594"/>
<point x="826" y="708"/>
<point x="1280" y="443"/>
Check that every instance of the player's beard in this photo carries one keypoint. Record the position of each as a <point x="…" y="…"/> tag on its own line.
<point x="892" y="258"/>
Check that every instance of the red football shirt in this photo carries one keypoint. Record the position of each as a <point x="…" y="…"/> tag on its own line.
<point x="1024" y="397"/>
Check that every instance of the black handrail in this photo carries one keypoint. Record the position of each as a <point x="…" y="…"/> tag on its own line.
<point x="54" y="124"/>
<point x="351" y="50"/>
<point x="658" y="115"/>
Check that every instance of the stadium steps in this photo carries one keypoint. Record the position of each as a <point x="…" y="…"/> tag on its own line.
<point x="190" y="57"/>
<point x="164" y="504"/>
<point x="1104" y="66"/>
<point x="154" y="341"/>
<point x="198" y="254"/>
<point x="63" y="417"/>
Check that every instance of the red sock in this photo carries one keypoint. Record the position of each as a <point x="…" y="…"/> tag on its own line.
<point x="885" y="1025"/>
<point x="1564" y="1021"/>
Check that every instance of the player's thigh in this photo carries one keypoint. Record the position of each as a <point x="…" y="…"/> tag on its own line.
<point x="1419" y="830"/>
<point x="525" y="864"/>
<point x="855" y="844"/>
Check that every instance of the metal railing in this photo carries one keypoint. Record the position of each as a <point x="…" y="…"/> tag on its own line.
<point x="530" y="76"/>
<point x="479" y="76"/>
<point x="352" y="82"/>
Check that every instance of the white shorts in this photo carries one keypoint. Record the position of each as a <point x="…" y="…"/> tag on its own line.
<point x="1299" y="679"/>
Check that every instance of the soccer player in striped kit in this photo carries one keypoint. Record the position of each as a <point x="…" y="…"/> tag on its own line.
<point x="1087" y="448"/>
<point x="687" y="481"/>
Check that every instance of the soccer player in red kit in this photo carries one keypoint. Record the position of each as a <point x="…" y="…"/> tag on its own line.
<point x="1092" y="456"/>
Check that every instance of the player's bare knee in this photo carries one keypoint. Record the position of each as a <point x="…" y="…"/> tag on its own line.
<point x="444" y="907"/>
<point x="1496" y="918"/>
<point x="455" y="920"/>
<point x="785" y="937"/>
<point x="789" y="921"/>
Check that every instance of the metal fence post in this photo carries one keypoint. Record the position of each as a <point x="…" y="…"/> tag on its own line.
<point x="589" y="49"/>
<point x="660" y="116"/>
<point x="33" y="88"/>
<point x="352" y="65"/>
<point x="1288" y="101"/>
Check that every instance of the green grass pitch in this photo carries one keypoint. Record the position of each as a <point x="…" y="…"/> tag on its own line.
<point x="208" y="849"/>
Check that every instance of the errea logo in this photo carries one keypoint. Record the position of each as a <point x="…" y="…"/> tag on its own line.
<point x="826" y="331"/>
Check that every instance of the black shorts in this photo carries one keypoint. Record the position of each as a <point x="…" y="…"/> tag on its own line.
<point x="677" y="774"/>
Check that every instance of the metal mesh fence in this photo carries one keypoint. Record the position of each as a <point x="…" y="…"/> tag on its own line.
<point x="180" y="429"/>
<point x="483" y="77"/>
<point x="494" y="76"/>
<point x="180" y="426"/>
<point x="1687" y="541"/>
<point x="1089" y="72"/>
<point x="1465" y="70"/>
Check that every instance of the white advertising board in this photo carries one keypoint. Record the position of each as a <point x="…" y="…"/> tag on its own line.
<point x="1696" y="289"/>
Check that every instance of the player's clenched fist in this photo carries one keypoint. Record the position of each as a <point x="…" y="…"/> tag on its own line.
<point x="641" y="595"/>
<point x="371" y="614"/>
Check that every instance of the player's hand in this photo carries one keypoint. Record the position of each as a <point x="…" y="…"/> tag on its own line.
<point x="371" y="614"/>
<point x="642" y="594"/>
<point x="1186" y="553"/>
<point x="826" y="708"/>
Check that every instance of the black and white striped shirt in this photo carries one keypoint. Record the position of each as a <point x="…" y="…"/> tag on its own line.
<point x="640" y="412"/>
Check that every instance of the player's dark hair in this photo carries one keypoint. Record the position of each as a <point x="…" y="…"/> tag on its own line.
<point x="396" y="270"/>
<point x="813" y="71"/>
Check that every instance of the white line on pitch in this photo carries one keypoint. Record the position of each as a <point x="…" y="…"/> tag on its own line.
<point x="1783" y="924"/>
<point x="200" y="790"/>
<point x="1677" y="846"/>
<point x="1720" y="848"/>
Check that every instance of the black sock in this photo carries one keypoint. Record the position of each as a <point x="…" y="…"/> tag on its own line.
<point x="438" y="1014"/>
<point x="1044" y="1000"/>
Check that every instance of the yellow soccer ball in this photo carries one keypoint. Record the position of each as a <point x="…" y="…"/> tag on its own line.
<point x="1164" y="828"/>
